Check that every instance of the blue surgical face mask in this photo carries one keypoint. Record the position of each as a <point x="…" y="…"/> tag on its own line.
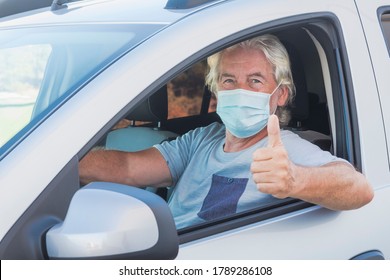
<point x="244" y="112"/>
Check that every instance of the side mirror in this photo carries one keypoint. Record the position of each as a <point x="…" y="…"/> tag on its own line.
<point x="112" y="221"/>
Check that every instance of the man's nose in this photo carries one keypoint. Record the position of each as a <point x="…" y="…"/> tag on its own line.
<point x="243" y="85"/>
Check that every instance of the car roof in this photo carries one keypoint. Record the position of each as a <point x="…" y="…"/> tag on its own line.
<point x="108" y="11"/>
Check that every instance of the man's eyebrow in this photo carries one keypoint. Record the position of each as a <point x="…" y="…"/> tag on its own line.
<point x="227" y="75"/>
<point x="259" y="74"/>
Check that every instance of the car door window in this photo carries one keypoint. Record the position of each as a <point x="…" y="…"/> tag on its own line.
<point x="318" y="114"/>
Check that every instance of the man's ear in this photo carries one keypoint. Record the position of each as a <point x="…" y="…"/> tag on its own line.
<point x="283" y="96"/>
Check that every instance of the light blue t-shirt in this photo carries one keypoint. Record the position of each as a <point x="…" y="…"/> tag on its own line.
<point x="210" y="183"/>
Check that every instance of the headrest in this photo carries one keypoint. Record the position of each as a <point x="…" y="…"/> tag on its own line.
<point x="300" y="108"/>
<point x="153" y="109"/>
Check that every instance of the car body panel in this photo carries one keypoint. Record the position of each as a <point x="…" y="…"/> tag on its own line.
<point x="310" y="233"/>
<point x="379" y="54"/>
<point x="298" y="235"/>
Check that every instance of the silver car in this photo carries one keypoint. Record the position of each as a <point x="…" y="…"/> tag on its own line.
<point x="127" y="74"/>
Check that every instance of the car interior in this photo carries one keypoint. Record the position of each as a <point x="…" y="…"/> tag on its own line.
<point x="309" y="113"/>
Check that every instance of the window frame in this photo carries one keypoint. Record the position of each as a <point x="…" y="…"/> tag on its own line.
<point x="328" y="31"/>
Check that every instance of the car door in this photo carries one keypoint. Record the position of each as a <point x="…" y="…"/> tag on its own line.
<point x="39" y="174"/>
<point x="295" y="230"/>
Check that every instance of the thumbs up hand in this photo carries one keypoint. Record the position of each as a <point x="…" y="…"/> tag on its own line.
<point x="271" y="168"/>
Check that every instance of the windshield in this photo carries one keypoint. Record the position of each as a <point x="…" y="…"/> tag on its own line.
<point x="42" y="67"/>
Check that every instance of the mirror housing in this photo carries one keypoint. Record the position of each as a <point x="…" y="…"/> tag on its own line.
<point x="113" y="221"/>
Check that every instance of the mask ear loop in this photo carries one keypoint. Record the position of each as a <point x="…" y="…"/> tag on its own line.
<point x="271" y="96"/>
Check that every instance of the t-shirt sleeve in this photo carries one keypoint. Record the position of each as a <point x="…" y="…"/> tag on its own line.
<point x="305" y="153"/>
<point x="178" y="152"/>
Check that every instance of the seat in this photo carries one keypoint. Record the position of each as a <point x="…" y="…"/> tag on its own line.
<point x="153" y="110"/>
<point x="307" y="120"/>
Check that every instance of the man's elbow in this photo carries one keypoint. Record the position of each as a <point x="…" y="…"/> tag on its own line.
<point x="369" y="195"/>
<point x="366" y="193"/>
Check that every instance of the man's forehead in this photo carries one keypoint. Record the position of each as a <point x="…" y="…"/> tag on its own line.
<point x="242" y="51"/>
<point x="252" y="62"/>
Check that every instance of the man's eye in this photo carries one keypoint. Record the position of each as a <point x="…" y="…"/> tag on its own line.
<point x="255" y="81"/>
<point x="228" y="81"/>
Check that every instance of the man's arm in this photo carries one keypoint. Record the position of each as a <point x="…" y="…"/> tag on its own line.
<point x="140" y="169"/>
<point x="336" y="186"/>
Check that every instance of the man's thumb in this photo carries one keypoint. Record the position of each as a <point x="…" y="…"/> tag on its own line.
<point x="273" y="131"/>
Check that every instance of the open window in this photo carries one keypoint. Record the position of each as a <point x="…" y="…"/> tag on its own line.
<point x="189" y="104"/>
<point x="322" y="112"/>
